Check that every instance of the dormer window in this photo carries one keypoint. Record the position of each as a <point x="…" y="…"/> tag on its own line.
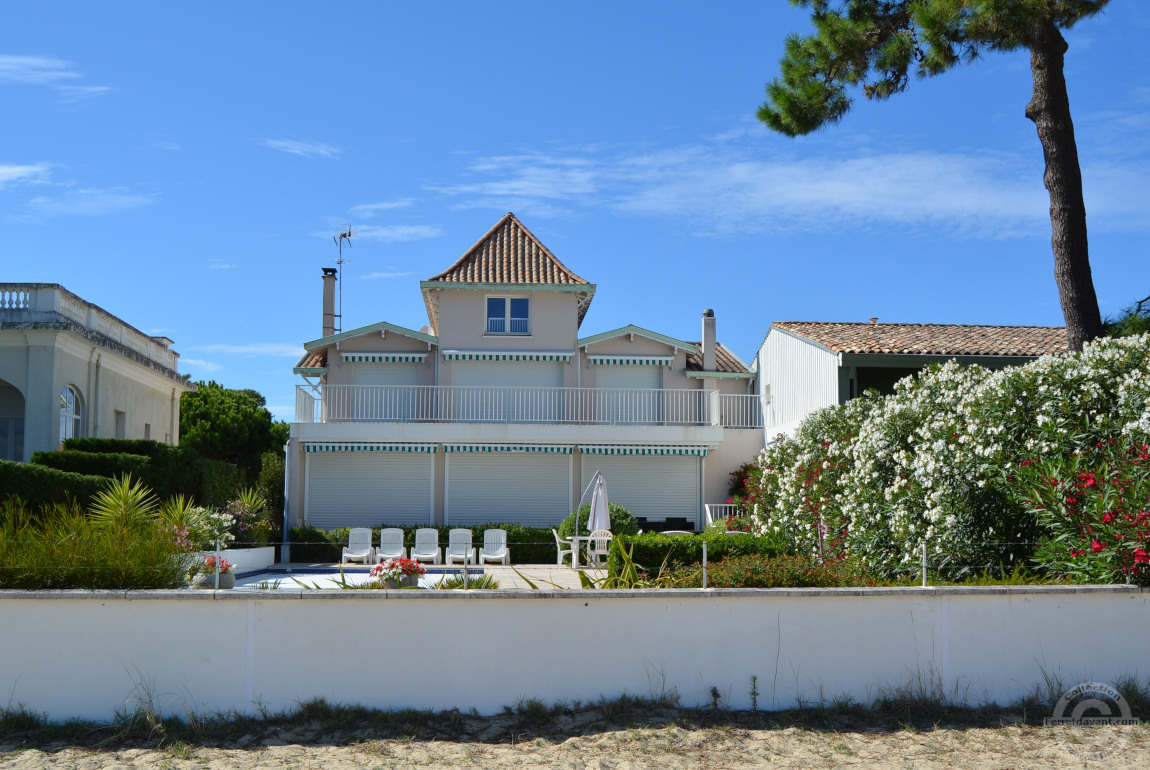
<point x="508" y="315"/>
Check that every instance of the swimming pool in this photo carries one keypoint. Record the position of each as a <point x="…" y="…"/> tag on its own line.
<point x="328" y="578"/>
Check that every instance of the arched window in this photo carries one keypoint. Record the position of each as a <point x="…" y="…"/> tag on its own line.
<point x="71" y="412"/>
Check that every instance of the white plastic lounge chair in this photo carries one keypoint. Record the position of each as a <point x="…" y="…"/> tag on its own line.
<point x="559" y="543"/>
<point x="599" y="545"/>
<point x="459" y="547"/>
<point x="426" y="546"/>
<point x="390" y="545"/>
<point x="494" y="547"/>
<point x="676" y="532"/>
<point x="358" y="546"/>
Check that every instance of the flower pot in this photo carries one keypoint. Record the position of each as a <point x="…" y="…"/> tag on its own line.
<point x="407" y="581"/>
<point x="208" y="580"/>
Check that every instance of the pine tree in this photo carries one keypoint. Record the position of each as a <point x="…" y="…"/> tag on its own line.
<point x="875" y="45"/>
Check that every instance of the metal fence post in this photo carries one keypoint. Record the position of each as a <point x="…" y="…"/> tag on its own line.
<point x="704" y="564"/>
<point x="217" y="565"/>
<point x="924" y="565"/>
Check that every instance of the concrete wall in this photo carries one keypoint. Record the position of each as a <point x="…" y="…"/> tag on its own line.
<point x="87" y="654"/>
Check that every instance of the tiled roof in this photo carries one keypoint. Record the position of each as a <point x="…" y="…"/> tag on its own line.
<point x="725" y="360"/>
<point x="317" y="360"/>
<point x="931" y="339"/>
<point x="509" y="253"/>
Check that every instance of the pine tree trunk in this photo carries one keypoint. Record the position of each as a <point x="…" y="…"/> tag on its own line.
<point x="1049" y="108"/>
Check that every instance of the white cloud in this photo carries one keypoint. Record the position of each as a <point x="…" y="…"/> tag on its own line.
<point x="50" y="72"/>
<point x="398" y="233"/>
<point x="728" y="188"/>
<point x="195" y="363"/>
<point x="22" y="173"/>
<point x="286" y="350"/>
<point x="216" y="264"/>
<point x="375" y="276"/>
<point x="89" y="202"/>
<point x="306" y="149"/>
<point x="369" y="210"/>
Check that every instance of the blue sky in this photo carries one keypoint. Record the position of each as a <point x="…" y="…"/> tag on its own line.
<point x="185" y="165"/>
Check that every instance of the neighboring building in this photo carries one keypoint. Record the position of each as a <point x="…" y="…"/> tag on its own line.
<point x="499" y="411"/>
<point x="71" y="369"/>
<point x="806" y="366"/>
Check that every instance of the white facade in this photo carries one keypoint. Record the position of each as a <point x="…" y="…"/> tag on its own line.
<point x="503" y="412"/>
<point x="70" y="369"/>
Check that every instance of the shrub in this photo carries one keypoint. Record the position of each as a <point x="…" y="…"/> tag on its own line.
<point x="794" y="571"/>
<point x="622" y="522"/>
<point x="218" y="482"/>
<point x="877" y="478"/>
<point x="59" y="547"/>
<point x="39" y="486"/>
<point x="107" y="464"/>
<point x="1095" y="506"/>
<point x="270" y="485"/>
<point x="650" y="551"/>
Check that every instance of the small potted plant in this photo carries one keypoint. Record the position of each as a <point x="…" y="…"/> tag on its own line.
<point x="398" y="573"/>
<point x="203" y="575"/>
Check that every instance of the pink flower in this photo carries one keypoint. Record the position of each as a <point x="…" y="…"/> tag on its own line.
<point x="1096" y="546"/>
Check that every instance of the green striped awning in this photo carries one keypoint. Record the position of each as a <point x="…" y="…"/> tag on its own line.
<point x="316" y="446"/>
<point x="384" y="358"/>
<point x="642" y="449"/>
<point x="543" y="448"/>
<point x="631" y="360"/>
<point x="488" y="355"/>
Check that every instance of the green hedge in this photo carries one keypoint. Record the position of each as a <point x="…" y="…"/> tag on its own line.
<point x="39" y="486"/>
<point x="107" y="464"/>
<point x="527" y="544"/>
<point x="170" y="471"/>
<point x="652" y="549"/>
<point x="799" y="571"/>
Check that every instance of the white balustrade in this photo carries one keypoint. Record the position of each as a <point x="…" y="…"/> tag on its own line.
<point x="740" y="411"/>
<point x="713" y="512"/>
<point x="485" y="404"/>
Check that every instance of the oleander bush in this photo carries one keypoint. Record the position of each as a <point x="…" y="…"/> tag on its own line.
<point x="875" y="479"/>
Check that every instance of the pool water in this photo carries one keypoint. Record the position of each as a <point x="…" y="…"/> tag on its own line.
<point x="328" y="579"/>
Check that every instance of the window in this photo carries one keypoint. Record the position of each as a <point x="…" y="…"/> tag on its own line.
<point x="508" y="315"/>
<point x="71" y="412"/>
<point x="121" y="422"/>
<point x="147" y="430"/>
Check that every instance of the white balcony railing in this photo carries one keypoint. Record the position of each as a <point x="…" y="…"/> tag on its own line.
<point x="482" y="404"/>
<point x="739" y="411"/>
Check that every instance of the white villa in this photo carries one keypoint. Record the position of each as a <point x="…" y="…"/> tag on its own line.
<point x="69" y="368"/>
<point x="498" y="410"/>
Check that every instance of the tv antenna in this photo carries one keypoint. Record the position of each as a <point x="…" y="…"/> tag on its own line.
<point x="346" y="234"/>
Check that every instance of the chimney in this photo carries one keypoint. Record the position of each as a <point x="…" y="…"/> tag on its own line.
<point x="873" y="321"/>
<point x="329" y="280"/>
<point x="708" y="340"/>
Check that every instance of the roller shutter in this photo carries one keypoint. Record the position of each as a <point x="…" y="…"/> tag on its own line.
<point x="367" y="489"/>
<point x="640" y="402"/>
<point x="507" y="391"/>
<point x="655" y="487"/>
<point x="529" y="489"/>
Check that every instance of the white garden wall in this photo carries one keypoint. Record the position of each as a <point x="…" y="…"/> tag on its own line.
<point x="87" y="654"/>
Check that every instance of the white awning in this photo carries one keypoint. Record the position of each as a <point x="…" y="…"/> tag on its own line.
<point x="509" y="355"/>
<point x="542" y="448"/>
<point x="316" y="446"/>
<point x="631" y="360"/>
<point x="642" y="449"/>
<point x="384" y="358"/>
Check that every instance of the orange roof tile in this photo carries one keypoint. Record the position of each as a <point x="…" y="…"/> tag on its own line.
<point x="317" y="360"/>
<point x="509" y="253"/>
<point x="931" y="339"/>
<point x="725" y="360"/>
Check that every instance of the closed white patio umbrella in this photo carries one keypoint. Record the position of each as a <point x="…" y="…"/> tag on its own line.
<point x="600" y="517"/>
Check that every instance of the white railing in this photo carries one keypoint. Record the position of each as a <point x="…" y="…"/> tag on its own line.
<point x="739" y="411"/>
<point x="483" y="404"/>
<point x="713" y="512"/>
